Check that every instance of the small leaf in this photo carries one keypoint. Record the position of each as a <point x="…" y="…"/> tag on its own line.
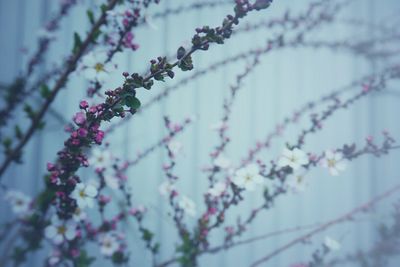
<point x="41" y="125"/>
<point x="44" y="91"/>
<point x="103" y="8"/>
<point x="147" y="235"/>
<point x="180" y="53"/>
<point x="7" y="142"/>
<point x="84" y="260"/>
<point x="29" y="111"/>
<point x="132" y="102"/>
<point x="90" y="16"/>
<point x="77" y="42"/>
<point x="18" y="132"/>
<point x="96" y="35"/>
<point x="186" y="64"/>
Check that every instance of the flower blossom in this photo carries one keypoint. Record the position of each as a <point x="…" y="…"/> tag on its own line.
<point x="59" y="231"/>
<point x="188" y="206"/>
<point x="108" y="244"/>
<point x="111" y="181"/>
<point x="334" y="162"/>
<point x="248" y="177"/>
<point x="331" y="243"/>
<point x="293" y="158"/>
<point x="94" y="66"/>
<point x="84" y="195"/>
<point x="217" y="189"/>
<point x="166" y="188"/>
<point x="20" y="203"/>
<point x="175" y="147"/>
<point x="79" y="215"/>
<point x="296" y="181"/>
<point x="100" y="159"/>
<point x="222" y="162"/>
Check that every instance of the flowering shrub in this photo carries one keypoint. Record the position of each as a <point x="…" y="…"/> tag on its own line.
<point x="78" y="210"/>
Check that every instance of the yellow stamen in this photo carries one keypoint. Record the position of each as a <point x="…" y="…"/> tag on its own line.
<point x="61" y="230"/>
<point x="99" y="67"/>
<point x="331" y="163"/>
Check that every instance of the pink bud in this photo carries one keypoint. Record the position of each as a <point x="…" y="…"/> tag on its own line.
<point x="80" y="118"/>
<point x="83" y="104"/>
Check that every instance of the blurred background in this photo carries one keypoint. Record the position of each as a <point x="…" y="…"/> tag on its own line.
<point x="285" y="80"/>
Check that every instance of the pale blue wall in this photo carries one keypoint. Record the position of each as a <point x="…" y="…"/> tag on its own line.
<point x="285" y="80"/>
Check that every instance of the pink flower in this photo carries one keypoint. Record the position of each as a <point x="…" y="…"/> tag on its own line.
<point x="82" y="132"/>
<point x="99" y="137"/>
<point x="80" y="118"/>
<point x="212" y="210"/>
<point x="50" y="166"/>
<point x="75" y="142"/>
<point x="83" y="104"/>
<point x="93" y="109"/>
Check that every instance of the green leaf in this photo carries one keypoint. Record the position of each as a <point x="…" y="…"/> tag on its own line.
<point x="103" y="8"/>
<point x="7" y="142"/>
<point x="159" y="77"/>
<point x="132" y="102"/>
<point x="186" y="64"/>
<point x="18" y="132"/>
<point x="90" y="16"/>
<point x="96" y="35"/>
<point x="29" y="111"/>
<point x="45" y="91"/>
<point x="148" y="85"/>
<point x="77" y="42"/>
<point x="84" y="260"/>
<point x="119" y="258"/>
<point x="41" y="125"/>
<point x="180" y="53"/>
<point x="147" y="235"/>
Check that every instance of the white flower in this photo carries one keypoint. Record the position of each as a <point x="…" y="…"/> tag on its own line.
<point x="188" y="206"/>
<point x="94" y="66"/>
<point x="79" y="215"/>
<point x="166" y="188"/>
<point x="248" y="177"/>
<point x="108" y="244"/>
<point x="84" y="195"/>
<point x="293" y="158"/>
<point x="59" y="231"/>
<point x="20" y="203"/>
<point x="111" y="181"/>
<point x="217" y="190"/>
<point x="334" y="161"/>
<point x="222" y="162"/>
<point x="296" y="182"/>
<point x="100" y="159"/>
<point x="175" y="147"/>
<point x="331" y="244"/>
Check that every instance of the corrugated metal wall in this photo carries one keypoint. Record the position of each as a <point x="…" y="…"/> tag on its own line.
<point x="286" y="79"/>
